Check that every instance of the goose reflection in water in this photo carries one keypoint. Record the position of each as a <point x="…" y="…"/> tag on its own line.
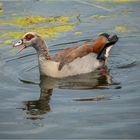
<point x="95" y="80"/>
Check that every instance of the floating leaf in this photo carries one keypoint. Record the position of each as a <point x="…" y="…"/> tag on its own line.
<point x="51" y="31"/>
<point x="30" y="20"/>
<point x="63" y="25"/>
<point x="1" y="4"/>
<point x="47" y="31"/>
<point x="78" y="33"/>
<point x="121" y="29"/>
<point x="1" y="11"/>
<point x="15" y="35"/>
<point x="9" y="41"/>
<point x="63" y="19"/>
<point x="33" y="20"/>
<point x="99" y="16"/>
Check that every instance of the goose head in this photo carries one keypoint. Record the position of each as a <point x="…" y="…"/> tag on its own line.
<point x="30" y="39"/>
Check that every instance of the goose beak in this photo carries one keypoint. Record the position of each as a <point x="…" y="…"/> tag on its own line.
<point x="19" y="44"/>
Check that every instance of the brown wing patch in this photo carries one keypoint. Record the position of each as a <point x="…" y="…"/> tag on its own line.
<point x="73" y="54"/>
<point x="88" y="47"/>
<point x="99" y="44"/>
<point x="29" y="36"/>
<point x="61" y="54"/>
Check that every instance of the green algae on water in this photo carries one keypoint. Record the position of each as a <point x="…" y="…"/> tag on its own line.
<point x="47" y="31"/>
<point x="99" y="17"/>
<point x="34" y="20"/>
<point x="121" y="28"/>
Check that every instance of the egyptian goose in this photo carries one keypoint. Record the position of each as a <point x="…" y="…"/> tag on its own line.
<point x="70" y="61"/>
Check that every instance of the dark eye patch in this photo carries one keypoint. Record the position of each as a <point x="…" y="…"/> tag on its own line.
<point x="29" y="37"/>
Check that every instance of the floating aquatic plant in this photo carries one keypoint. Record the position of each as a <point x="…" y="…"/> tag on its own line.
<point x="33" y="20"/>
<point x="78" y="33"/>
<point x="14" y="34"/>
<point x="121" y="28"/>
<point x="1" y="10"/>
<point x="51" y="30"/>
<point x="47" y="31"/>
<point x="9" y="41"/>
<point x="1" y="4"/>
<point x="99" y="16"/>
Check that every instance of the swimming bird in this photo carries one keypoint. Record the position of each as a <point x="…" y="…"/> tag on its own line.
<point x="76" y="60"/>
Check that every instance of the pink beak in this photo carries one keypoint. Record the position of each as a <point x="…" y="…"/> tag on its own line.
<point x="19" y="44"/>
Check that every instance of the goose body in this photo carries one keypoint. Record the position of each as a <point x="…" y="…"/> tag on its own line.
<point x="70" y="61"/>
<point x="82" y="65"/>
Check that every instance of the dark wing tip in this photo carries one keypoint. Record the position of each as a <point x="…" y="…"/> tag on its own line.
<point x="60" y="66"/>
<point x="105" y="35"/>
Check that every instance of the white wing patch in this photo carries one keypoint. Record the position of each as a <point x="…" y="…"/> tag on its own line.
<point x="107" y="51"/>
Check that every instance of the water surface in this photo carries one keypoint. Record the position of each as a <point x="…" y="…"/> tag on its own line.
<point x="103" y="104"/>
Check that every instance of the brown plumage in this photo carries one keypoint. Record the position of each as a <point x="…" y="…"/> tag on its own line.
<point x="69" y="54"/>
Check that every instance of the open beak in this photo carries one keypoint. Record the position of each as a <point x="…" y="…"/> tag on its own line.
<point x="19" y="44"/>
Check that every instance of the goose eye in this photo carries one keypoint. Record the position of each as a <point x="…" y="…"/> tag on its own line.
<point x="20" y="42"/>
<point x="29" y="37"/>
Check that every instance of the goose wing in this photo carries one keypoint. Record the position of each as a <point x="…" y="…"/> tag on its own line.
<point x="69" y="54"/>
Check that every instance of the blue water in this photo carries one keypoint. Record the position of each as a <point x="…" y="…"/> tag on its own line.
<point x="90" y="106"/>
